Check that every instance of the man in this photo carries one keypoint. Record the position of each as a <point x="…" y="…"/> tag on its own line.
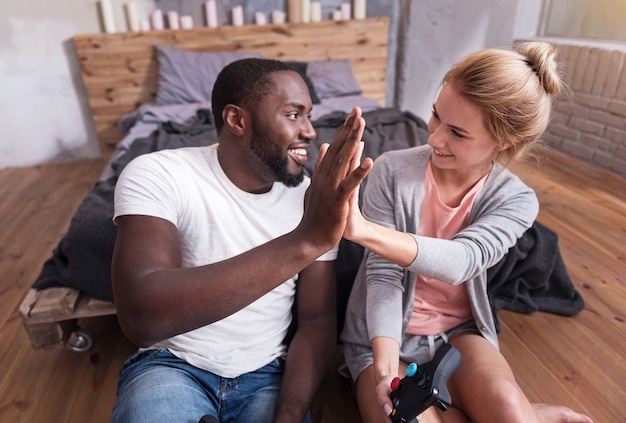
<point x="213" y="246"/>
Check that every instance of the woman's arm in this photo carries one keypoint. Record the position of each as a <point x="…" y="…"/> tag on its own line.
<point x="386" y="368"/>
<point x="502" y="212"/>
<point x="398" y="247"/>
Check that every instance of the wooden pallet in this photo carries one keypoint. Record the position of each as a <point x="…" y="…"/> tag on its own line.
<point x="50" y="316"/>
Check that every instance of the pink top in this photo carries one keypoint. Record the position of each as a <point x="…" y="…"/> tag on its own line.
<point x="439" y="306"/>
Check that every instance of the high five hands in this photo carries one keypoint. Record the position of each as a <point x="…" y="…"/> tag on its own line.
<point x="336" y="179"/>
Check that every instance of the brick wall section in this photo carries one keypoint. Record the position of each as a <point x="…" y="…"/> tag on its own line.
<point x="589" y="120"/>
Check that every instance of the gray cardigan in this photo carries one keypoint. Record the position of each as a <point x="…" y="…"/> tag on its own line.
<point x="381" y="300"/>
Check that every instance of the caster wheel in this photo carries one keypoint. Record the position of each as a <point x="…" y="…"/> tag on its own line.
<point x="79" y="341"/>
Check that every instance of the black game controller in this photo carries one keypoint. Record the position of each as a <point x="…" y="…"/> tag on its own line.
<point x="424" y="385"/>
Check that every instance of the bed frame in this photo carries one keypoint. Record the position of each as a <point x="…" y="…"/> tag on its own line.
<point x="120" y="71"/>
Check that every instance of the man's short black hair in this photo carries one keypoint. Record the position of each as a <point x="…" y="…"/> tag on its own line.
<point x="243" y="82"/>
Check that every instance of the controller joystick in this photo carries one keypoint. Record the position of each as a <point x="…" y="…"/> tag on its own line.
<point x="424" y="385"/>
<point x="411" y="369"/>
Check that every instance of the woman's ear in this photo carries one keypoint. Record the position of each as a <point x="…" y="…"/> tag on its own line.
<point x="507" y="144"/>
<point x="235" y="119"/>
<point x="502" y="147"/>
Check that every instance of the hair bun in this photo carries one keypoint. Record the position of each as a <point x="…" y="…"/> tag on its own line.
<point x="540" y="57"/>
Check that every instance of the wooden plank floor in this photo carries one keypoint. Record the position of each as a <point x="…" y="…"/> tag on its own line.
<point x="575" y="361"/>
<point x="36" y="205"/>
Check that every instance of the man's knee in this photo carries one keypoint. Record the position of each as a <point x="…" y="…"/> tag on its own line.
<point x="157" y="394"/>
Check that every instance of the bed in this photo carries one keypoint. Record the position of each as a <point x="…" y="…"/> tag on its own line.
<point x="148" y="91"/>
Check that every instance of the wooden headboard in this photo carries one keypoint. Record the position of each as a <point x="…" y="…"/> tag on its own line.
<point x="120" y="71"/>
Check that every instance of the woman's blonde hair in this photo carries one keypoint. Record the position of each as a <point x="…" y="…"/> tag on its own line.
<point x="514" y="89"/>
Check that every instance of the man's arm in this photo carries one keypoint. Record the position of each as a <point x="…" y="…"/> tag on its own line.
<point x="156" y="298"/>
<point x="313" y="343"/>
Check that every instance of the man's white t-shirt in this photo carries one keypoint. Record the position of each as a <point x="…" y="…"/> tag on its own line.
<point x="216" y="220"/>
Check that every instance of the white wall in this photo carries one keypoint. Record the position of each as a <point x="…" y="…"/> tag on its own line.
<point x="436" y="33"/>
<point x="44" y="117"/>
<point x="43" y="114"/>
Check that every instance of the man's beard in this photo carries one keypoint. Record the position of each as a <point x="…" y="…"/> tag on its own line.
<point x="270" y="154"/>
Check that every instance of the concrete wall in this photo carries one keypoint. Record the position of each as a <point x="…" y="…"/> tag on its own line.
<point x="433" y="34"/>
<point x="43" y="112"/>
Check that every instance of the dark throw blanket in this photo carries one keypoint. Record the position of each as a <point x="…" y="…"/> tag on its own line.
<point x="82" y="259"/>
<point x="531" y="277"/>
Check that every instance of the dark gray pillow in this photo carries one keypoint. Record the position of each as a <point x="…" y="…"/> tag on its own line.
<point x="188" y="76"/>
<point x="333" y="78"/>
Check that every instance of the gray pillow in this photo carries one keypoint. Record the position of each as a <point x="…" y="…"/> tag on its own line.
<point x="188" y="76"/>
<point x="333" y="78"/>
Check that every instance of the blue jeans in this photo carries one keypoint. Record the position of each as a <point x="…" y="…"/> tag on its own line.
<point x="155" y="386"/>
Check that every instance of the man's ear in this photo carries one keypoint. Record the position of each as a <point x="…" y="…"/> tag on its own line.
<point x="235" y="119"/>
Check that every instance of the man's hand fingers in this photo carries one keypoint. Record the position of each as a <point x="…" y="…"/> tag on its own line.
<point x="354" y="179"/>
<point x="344" y="145"/>
<point x="344" y="159"/>
<point x="356" y="159"/>
<point x="322" y="153"/>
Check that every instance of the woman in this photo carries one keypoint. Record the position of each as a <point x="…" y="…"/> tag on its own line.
<point x="435" y="218"/>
